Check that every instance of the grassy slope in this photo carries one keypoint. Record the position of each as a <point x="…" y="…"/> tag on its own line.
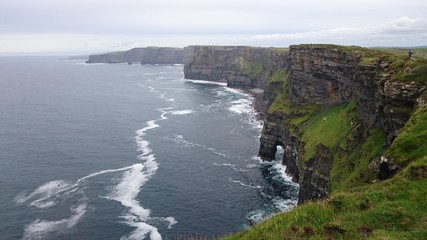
<point x="391" y="209"/>
<point x="359" y="207"/>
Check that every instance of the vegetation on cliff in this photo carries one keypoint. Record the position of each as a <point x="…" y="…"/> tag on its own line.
<point x="364" y="202"/>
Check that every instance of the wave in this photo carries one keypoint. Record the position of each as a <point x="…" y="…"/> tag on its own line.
<point x="242" y="106"/>
<point x="206" y="82"/>
<point x="281" y="170"/>
<point x="39" y="229"/>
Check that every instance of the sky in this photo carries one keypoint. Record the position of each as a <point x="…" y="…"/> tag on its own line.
<point x="94" y="26"/>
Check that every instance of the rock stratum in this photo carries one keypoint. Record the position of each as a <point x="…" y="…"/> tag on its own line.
<point x="148" y="55"/>
<point x="352" y="122"/>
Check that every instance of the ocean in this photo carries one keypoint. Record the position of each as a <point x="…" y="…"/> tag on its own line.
<point x="117" y="151"/>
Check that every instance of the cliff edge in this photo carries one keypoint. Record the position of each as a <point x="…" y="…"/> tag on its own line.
<point x="352" y="122"/>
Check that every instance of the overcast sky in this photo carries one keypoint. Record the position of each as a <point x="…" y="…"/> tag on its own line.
<point x="87" y="26"/>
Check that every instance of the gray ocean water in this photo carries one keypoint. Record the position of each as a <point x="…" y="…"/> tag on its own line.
<point x="128" y="152"/>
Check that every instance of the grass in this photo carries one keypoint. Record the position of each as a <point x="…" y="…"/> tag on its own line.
<point x="329" y="128"/>
<point x="411" y="143"/>
<point x="418" y="52"/>
<point x="392" y="209"/>
<point x="352" y="169"/>
<point x="280" y="76"/>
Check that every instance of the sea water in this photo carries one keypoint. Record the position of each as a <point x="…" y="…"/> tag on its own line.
<point x="128" y="152"/>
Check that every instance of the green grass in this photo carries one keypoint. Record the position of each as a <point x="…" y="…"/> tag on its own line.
<point x="411" y="143"/>
<point x="280" y="76"/>
<point x="331" y="46"/>
<point x="418" y="52"/>
<point x="398" y="65"/>
<point x="352" y="169"/>
<point x="329" y="128"/>
<point x="392" y="209"/>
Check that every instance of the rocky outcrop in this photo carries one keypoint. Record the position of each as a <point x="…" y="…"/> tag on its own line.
<point x="305" y="87"/>
<point x="148" y="55"/>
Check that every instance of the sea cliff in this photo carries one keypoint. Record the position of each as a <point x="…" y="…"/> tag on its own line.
<point x="148" y="55"/>
<point x="351" y="122"/>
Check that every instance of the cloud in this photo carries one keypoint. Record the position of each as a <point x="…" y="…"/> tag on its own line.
<point x="400" y="31"/>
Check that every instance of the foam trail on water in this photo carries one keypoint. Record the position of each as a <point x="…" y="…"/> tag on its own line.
<point x="244" y="185"/>
<point x="182" y="112"/>
<point x="103" y="172"/>
<point x="179" y="139"/>
<point x="40" y="229"/>
<point x="206" y="82"/>
<point x="133" y="179"/>
<point x="232" y="166"/>
<point x="50" y="193"/>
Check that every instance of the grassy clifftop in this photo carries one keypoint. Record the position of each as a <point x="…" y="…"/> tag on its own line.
<point x="359" y="206"/>
<point x="392" y="209"/>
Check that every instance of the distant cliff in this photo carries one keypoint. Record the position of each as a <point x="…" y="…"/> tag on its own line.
<point x="352" y="122"/>
<point x="148" y="55"/>
<point x="239" y="66"/>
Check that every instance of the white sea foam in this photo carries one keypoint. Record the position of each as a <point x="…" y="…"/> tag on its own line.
<point x="141" y="230"/>
<point x="238" y="92"/>
<point x="242" y="106"/>
<point x="172" y="221"/>
<point x="232" y="166"/>
<point x="182" y="112"/>
<point x="39" y="229"/>
<point x="244" y="184"/>
<point x="179" y="139"/>
<point x="256" y="216"/>
<point x="103" y="172"/>
<point x="206" y="82"/>
<point x="127" y="190"/>
<point x="283" y="204"/>
<point x="281" y="169"/>
<point x="46" y="195"/>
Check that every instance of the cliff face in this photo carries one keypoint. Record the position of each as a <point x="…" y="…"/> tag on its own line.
<point x="335" y="110"/>
<point x="239" y="66"/>
<point x="336" y="99"/>
<point x="148" y="55"/>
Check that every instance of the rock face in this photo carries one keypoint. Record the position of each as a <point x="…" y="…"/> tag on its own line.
<point x="239" y="66"/>
<point x="148" y="55"/>
<point x="309" y="89"/>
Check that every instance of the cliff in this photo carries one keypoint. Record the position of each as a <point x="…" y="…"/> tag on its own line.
<point x="148" y="55"/>
<point x="239" y="66"/>
<point x="352" y="122"/>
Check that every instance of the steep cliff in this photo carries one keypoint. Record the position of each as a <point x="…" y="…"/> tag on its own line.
<point x="148" y="55"/>
<point x="334" y="100"/>
<point x="239" y="66"/>
<point x="352" y="122"/>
